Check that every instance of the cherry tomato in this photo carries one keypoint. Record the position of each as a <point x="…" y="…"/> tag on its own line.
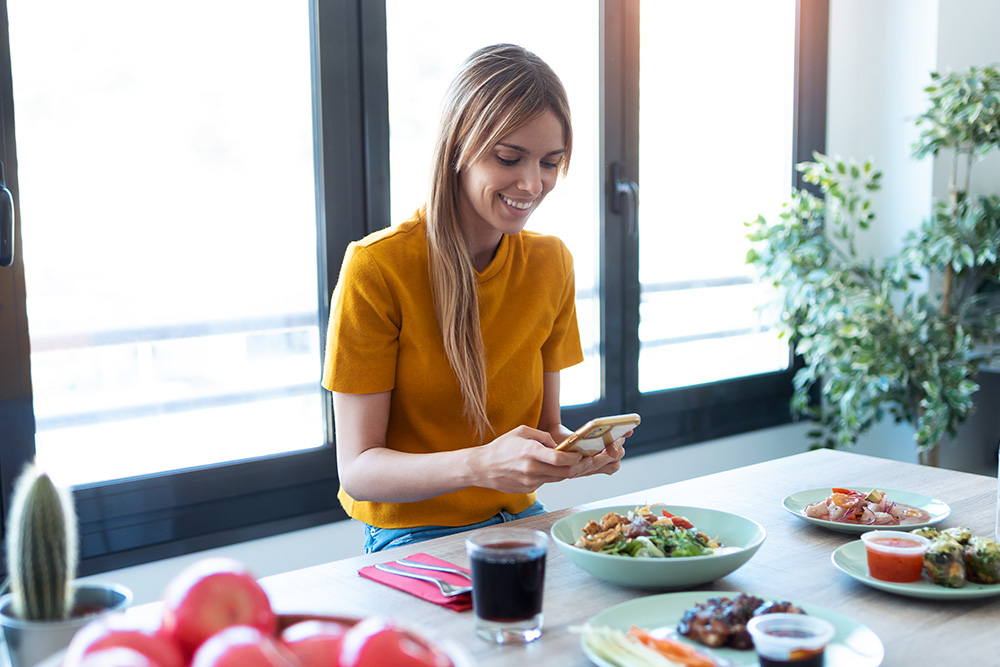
<point x="843" y="500"/>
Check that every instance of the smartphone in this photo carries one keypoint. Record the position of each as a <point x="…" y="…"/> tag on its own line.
<point x="596" y="434"/>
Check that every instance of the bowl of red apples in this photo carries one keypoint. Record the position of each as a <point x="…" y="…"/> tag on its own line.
<point x="216" y="614"/>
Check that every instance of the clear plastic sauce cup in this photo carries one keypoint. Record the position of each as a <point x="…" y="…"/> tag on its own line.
<point x="794" y="640"/>
<point x="895" y="556"/>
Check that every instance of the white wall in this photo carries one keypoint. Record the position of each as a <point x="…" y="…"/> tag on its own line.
<point x="880" y="56"/>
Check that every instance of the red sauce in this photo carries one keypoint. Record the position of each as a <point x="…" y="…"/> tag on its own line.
<point x="888" y="566"/>
<point x="896" y="542"/>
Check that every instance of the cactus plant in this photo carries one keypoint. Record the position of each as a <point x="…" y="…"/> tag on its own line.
<point x="41" y="548"/>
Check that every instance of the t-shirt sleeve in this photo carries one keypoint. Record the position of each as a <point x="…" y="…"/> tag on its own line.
<point x="363" y="334"/>
<point x="562" y="348"/>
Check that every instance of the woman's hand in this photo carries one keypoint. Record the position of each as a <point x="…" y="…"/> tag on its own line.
<point x="606" y="462"/>
<point x="523" y="459"/>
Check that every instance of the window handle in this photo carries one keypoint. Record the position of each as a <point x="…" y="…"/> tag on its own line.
<point x="629" y="190"/>
<point x="6" y="222"/>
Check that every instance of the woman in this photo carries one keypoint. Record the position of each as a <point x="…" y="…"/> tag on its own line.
<point x="447" y="333"/>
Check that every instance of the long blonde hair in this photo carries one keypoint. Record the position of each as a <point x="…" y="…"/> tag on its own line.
<point x="499" y="89"/>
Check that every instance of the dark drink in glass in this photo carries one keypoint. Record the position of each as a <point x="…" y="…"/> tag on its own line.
<point x="508" y="579"/>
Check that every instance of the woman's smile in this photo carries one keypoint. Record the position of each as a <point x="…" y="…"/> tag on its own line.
<point x="523" y="206"/>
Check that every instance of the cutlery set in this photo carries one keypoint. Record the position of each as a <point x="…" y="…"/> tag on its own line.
<point x="447" y="589"/>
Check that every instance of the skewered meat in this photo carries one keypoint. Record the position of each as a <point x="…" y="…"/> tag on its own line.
<point x="723" y="621"/>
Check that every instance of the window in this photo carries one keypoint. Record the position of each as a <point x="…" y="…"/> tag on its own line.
<point x="701" y="110"/>
<point x="168" y="214"/>
<point x="172" y="278"/>
<point x="181" y="223"/>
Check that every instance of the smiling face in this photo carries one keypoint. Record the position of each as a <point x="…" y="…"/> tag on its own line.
<point x="498" y="192"/>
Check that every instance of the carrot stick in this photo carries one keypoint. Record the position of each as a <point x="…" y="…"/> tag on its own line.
<point x="672" y="650"/>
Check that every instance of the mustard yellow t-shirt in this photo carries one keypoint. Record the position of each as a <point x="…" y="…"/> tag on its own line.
<point x="383" y="335"/>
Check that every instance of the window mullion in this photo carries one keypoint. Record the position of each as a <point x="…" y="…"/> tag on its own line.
<point x="619" y="143"/>
<point x="17" y="421"/>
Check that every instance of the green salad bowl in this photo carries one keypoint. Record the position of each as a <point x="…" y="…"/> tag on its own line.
<point x="741" y="536"/>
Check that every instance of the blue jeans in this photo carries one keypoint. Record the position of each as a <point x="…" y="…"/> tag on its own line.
<point x="377" y="539"/>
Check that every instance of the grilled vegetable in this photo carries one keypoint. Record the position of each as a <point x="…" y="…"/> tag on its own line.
<point x="982" y="560"/>
<point x="928" y="532"/>
<point x="959" y="534"/>
<point x="944" y="562"/>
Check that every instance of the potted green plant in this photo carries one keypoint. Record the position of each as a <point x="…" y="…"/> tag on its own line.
<point x="904" y="336"/>
<point x="45" y="605"/>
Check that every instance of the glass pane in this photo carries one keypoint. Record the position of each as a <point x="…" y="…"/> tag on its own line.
<point x="420" y="70"/>
<point x="166" y="178"/>
<point x="715" y="127"/>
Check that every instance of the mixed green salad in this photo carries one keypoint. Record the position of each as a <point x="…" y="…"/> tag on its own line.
<point x="645" y="533"/>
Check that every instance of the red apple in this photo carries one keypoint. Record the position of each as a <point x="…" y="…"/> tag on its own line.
<point x="118" y="656"/>
<point x="123" y="630"/>
<point x="243" y="646"/>
<point x="315" y="643"/>
<point x="377" y="642"/>
<point x="210" y="595"/>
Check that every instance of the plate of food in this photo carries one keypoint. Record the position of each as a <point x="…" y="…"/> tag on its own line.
<point x="683" y="618"/>
<point x="662" y="547"/>
<point x="857" y="510"/>
<point x="957" y="566"/>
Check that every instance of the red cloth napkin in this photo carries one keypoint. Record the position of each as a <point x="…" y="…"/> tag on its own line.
<point x="424" y="590"/>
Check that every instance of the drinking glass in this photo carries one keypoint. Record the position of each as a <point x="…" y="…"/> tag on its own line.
<point x="508" y="578"/>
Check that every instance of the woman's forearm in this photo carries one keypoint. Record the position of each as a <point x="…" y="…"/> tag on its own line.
<point x="380" y="474"/>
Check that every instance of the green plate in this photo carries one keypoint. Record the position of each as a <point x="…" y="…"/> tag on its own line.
<point x="853" y="645"/>
<point x="852" y="560"/>
<point x="796" y="504"/>
<point x="732" y="530"/>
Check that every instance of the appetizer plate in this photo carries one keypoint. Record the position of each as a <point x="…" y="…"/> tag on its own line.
<point x="852" y="560"/>
<point x="744" y="536"/>
<point x="853" y="645"/>
<point x="796" y="504"/>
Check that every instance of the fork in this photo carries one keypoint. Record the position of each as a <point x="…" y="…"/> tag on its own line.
<point x="428" y="566"/>
<point x="447" y="589"/>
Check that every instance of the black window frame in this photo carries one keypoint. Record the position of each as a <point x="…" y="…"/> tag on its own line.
<point x="129" y="522"/>
<point x="686" y="415"/>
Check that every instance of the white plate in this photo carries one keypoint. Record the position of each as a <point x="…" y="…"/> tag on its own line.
<point x="938" y="509"/>
<point x="852" y="560"/>
<point x="853" y="645"/>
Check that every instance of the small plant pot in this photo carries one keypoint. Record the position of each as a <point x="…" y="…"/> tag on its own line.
<point x="31" y="642"/>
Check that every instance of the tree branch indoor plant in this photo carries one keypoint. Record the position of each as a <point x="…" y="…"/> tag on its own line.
<point x="45" y="605"/>
<point x="906" y="335"/>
